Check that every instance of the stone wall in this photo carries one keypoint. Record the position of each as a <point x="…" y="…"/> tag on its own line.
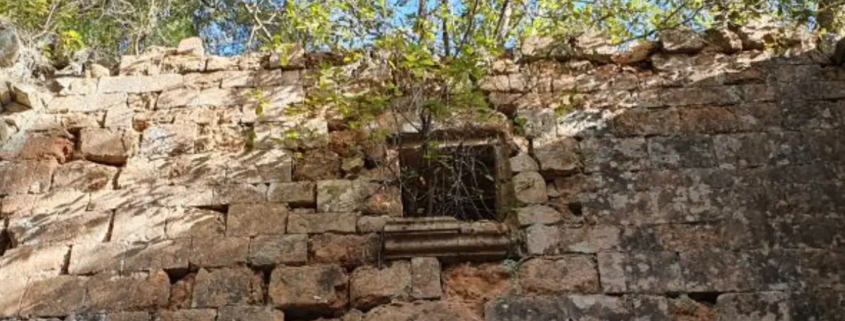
<point x="683" y="180"/>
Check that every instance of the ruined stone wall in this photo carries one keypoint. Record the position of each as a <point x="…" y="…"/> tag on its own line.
<point x="690" y="180"/>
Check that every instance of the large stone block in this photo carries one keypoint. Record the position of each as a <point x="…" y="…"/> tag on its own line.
<point x="312" y="288"/>
<point x="646" y="121"/>
<point x="26" y="177"/>
<point x="754" y="306"/>
<point x="369" y="286"/>
<point x="311" y="223"/>
<point x="744" y="150"/>
<point x="271" y="250"/>
<point x="682" y="152"/>
<point x="340" y="195"/>
<point x="425" y="278"/>
<point x="84" y="176"/>
<point x="262" y="166"/>
<point x="256" y="219"/>
<point x="140" y="223"/>
<point x="54" y="296"/>
<point x="240" y="194"/>
<point x="346" y="250"/>
<point x="558" y="156"/>
<point x="530" y="188"/>
<point x="195" y="222"/>
<point x="91" y="258"/>
<point x="169" y="140"/>
<point x="250" y="313"/>
<point x="187" y="315"/>
<point x="211" y="252"/>
<point x="168" y="255"/>
<point x="137" y="291"/>
<point x="140" y="84"/>
<point x="108" y="146"/>
<point x="43" y="147"/>
<point x="569" y="274"/>
<point x="68" y="229"/>
<point x="317" y="164"/>
<point x="88" y="103"/>
<point x="24" y="261"/>
<point x="614" y="154"/>
<point x="14" y="289"/>
<point x="294" y="193"/>
<point x="537" y="214"/>
<point x="571" y="307"/>
<point x="640" y="272"/>
<point x="229" y="286"/>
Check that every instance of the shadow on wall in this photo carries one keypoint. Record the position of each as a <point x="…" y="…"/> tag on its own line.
<point x="689" y="156"/>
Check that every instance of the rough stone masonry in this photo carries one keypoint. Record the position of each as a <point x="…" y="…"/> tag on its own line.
<point x="699" y="177"/>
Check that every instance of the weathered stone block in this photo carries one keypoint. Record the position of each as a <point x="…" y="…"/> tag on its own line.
<point x="294" y="193"/>
<point x="226" y="287"/>
<point x="681" y="41"/>
<point x="262" y="166"/>
<point x="270" y="250"/>
<point x="641" y="272"/>
<point x="108" y="146"/>
<point x="137" y="291"/>
<point x="681" y="152"/>
<point x="530" y="188"/>
<point x="312" y="288"/>
<point x="240" y="194"/>
<point x="754" y="306"/>
<point x="14" y="289"/>
<point x="337" y="196"/>
<point x="317" y="164"/>
<point x="219" y="252"/>
<point x="277" y="77"/>
<point x="572" y="307"/>
<point x="346" y="250"/>
<point x="168" y="140"/>
<point x="84" y="176"/>
<point x="272" y="134"/>
<point x="26" y="177"/>
<point x="87" y="103"/>
<point x="372" y="224"/>
<point x="425" y="278"/>
<point x="537" y="214"/>
<point x="717" y="271"/>
<point x="307" y="223"/>
<point x="693" y="96"/>
<point x="68" y="228"/>
<point x="571" y="273"/>
<point x="168" y="255"/>
<point x="59" y="295"/>
<point x="140" y="224"/>
<point x="191" y="46"/>
<point x="245" y="313"/>
<point x="256" y="219"/>
<point x="541" y="239"/>
<point x="614" y="154"/>
<point x="24" y="261"/>
<point x="91" y="258"/>
<point x="187" y="315"/>
<point x="43" y="147"/>
<point x="558" y="156"/>
<point x="523" y="163"/>
<point x="140" y="84"/>
<point x="128" y="316"/>
<point x="369" y="286"/>
<point x="744" y="150"/>
<point x="194" y="222"/>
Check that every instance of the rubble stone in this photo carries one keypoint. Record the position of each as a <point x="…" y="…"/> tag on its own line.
<point x="425" y="278"/>
<point x="370" y="287"/>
